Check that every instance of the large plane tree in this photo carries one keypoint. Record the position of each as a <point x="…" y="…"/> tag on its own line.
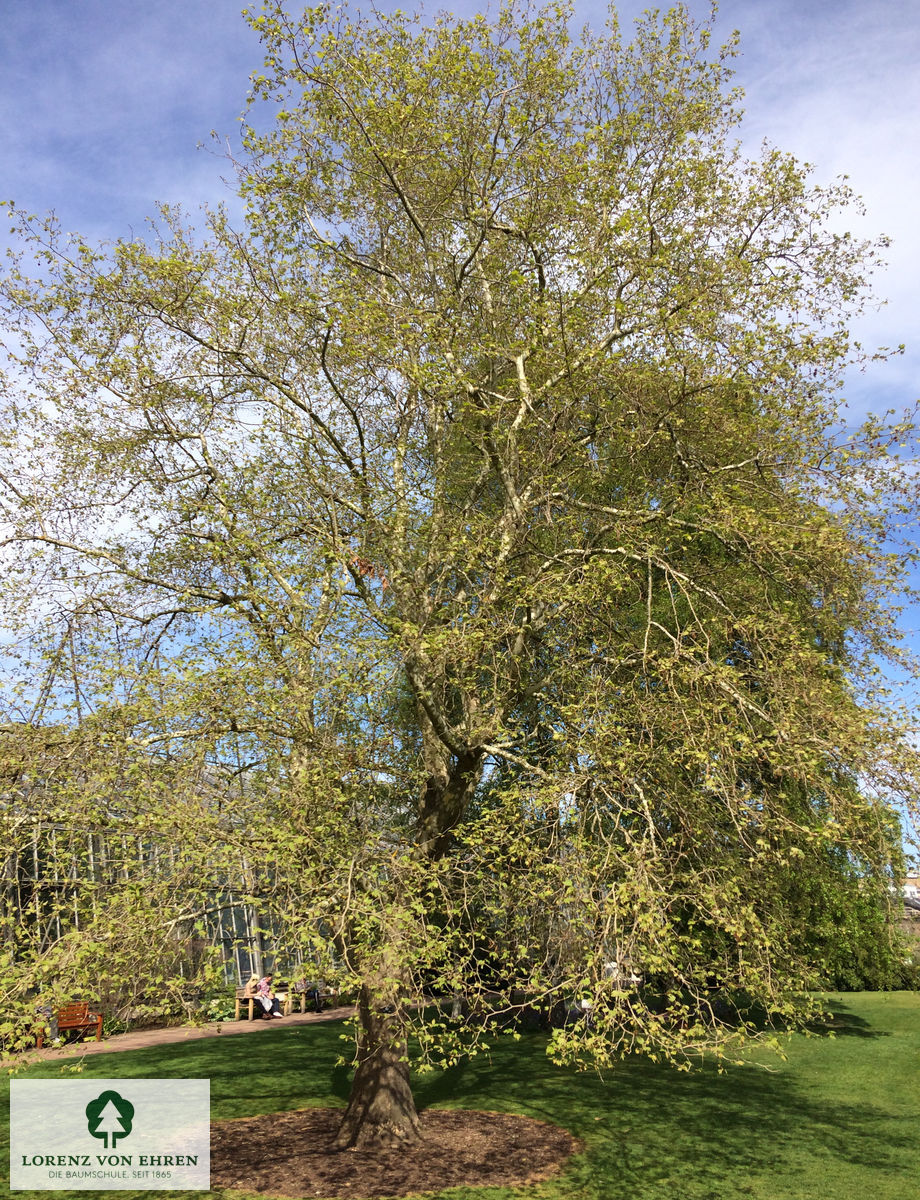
<point x="466" y="538"/>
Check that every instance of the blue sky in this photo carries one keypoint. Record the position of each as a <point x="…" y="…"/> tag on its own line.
<point x="105" y="102"/>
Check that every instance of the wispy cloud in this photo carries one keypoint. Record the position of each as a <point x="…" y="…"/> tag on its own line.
<point x="837" y="84"/>
<point x="104" y="102"/>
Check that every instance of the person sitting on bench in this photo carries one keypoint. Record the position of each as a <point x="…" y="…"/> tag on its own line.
<point x="267" y="998"/>
<point x="311" y="988"/>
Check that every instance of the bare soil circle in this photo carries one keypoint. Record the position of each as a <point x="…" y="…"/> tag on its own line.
<point x="288" y="1154"/>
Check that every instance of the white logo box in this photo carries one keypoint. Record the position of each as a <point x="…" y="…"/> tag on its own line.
<point x="145" y="1134"/>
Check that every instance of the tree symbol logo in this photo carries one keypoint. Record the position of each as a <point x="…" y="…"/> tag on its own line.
<point x="109" y="1116"/>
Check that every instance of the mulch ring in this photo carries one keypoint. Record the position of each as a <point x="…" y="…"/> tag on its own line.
<point x="287" y="1154"/>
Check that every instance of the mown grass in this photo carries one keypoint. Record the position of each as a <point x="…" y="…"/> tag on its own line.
<point x="837" y="1120"/>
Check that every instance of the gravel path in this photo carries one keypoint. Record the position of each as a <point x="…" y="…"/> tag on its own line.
<point x="142" y="1038"/>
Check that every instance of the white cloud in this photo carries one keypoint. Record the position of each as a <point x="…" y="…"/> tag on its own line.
<point x="837" y="85"/>
<point x="104" y="102"/>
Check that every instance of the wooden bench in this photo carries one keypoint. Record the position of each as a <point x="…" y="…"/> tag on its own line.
<point x="290" y="994"/>
<point x="248" y="998"/>
<point x="76" y="1016"/>
<point x="295" y="993"/>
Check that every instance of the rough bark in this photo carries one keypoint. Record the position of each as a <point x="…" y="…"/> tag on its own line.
<point x="381" y="1110"/>
<point x="445" y="797"/>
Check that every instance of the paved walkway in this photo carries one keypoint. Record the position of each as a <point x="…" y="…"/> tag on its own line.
<point x="142" y="1038"/>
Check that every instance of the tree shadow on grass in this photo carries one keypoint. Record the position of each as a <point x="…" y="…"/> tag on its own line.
<point x="649" y="1131"/>
<point x="841" y="1021"/>
<point x="274" y="1071"/>
<point x="837" y="1018"/>
<point x="656" y="1131"/>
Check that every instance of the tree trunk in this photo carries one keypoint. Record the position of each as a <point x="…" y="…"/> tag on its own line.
<point x="445" y="797"/>
<point x="381" y="1111"/>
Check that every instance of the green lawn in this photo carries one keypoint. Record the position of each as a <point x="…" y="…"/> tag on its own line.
<point x="838" y="1120"/>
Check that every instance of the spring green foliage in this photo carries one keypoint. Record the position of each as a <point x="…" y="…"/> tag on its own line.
<point x="460" y="558"/>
